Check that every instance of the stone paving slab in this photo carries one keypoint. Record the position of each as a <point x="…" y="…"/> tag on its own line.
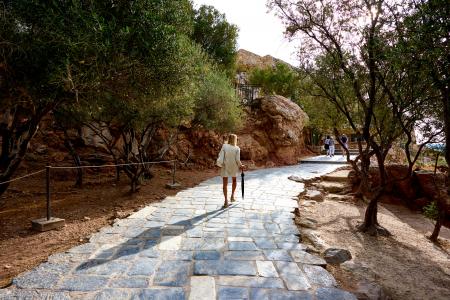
<point x="323" y="159"/>
<point x="164" y="251"/>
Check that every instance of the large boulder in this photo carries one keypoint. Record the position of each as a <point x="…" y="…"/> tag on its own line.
<point x="274" y="130"/>
<point x="272" y="135"/>
<point x="250" y="148"/>
<point x="202" y="146"/>
<point x="90" y="138"/>
<point x="285" y="120"/>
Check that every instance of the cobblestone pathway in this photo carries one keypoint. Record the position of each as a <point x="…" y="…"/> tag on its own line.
<point x="186" y="247"/>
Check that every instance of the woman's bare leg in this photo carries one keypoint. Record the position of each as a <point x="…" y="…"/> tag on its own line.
<point x="233" y="188"/>
<point x="225" y="187"/>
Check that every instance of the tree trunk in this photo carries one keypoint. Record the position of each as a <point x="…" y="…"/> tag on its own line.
<point x="135" y="185"/>
<point x="3" y="187"/>
<point x="118" y="168"/>
<point x="134" y="173"/>
<point x="437" y="227"/>
<point x="364" y="184"/>
<point x="446" y="103"/>
<point x="75" y="157"/>
<point x="14" y="147"/>
<point x="370" y="224"/>
<point x="370" y="216"/>
<point x="441" y="203"/>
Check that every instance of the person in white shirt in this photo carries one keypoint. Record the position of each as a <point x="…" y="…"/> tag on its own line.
<point x="331" y="146"/>
<point x="230" y="159"/>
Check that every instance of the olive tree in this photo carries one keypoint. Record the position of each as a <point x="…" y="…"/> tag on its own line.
<point x="145" y="78"/>
<point x="346" y="50"/>
<point x="427" y="35"/>
<point x="44" y="61"/>
<point x="81" y="52"/>
<point x="280" y="79"/>
<point x="154" y="89"/>
<point x="216" y="105"/>
<point x="217" y="37"/>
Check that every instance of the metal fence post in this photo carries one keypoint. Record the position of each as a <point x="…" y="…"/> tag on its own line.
<point x="47" y="169"/>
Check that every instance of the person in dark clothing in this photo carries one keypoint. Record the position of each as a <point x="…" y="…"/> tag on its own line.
<point x="326" y="144"/>
<point x="344" y="141"/>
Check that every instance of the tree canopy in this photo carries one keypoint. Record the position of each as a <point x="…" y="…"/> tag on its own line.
<point x="216" y="36"/>
<point x="426" y="38"/>
<point x="132" y="66"/>
<point x="354" y="54"/>
<point x="280" y="79"/>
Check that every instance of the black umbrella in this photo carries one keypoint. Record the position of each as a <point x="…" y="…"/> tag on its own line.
<point x="242" y="183"/>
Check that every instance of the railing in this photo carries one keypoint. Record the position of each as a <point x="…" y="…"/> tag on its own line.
<point x="247" y="92"/>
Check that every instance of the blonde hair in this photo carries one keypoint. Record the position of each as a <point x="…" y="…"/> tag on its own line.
<point x="232" y="139"/>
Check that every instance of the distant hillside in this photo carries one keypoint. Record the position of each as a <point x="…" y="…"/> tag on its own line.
<point x="247" y="60"/>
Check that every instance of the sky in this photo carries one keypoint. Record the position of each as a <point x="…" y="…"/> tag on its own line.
<point x="260" y="31"/>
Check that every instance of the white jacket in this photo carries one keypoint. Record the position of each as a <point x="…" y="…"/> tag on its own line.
<point x="231" y="160"/>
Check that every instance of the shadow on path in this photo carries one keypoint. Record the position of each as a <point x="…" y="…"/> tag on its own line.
<point x="152" y="237"/>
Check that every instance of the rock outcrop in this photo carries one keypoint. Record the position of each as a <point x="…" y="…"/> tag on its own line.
<point x="272" y="135"/>
<point x="247" y="60"/>
<point x="273" y="131"/>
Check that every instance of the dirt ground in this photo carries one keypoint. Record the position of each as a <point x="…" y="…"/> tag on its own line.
<point x="407" y="265"/>
<point x="85" y="210"/>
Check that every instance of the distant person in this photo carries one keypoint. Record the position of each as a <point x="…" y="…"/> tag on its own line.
<point x="230" y="162"/>
<point x="331" y="145"/>
<point x="326" y="144"/>
<point x="344" y="141"/>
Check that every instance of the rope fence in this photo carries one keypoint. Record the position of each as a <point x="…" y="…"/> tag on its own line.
<point x="22" y="177"/>
<point x="48" y="168"/>
<point x="115" y="165"/>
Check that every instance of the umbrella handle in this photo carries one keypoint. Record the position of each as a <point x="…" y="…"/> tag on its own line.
<point x="242" y="183"/>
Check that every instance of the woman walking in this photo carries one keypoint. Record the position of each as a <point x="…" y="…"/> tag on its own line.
<point x="331" y="146"/>
<point x="230" y="161"/>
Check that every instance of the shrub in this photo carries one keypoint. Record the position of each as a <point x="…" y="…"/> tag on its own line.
<point x="216" y="105"/>
<point x="431" y="211"/>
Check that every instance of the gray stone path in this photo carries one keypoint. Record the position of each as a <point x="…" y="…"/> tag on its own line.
<point x="186" y="247"/>
<point x="323" y="159"/>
